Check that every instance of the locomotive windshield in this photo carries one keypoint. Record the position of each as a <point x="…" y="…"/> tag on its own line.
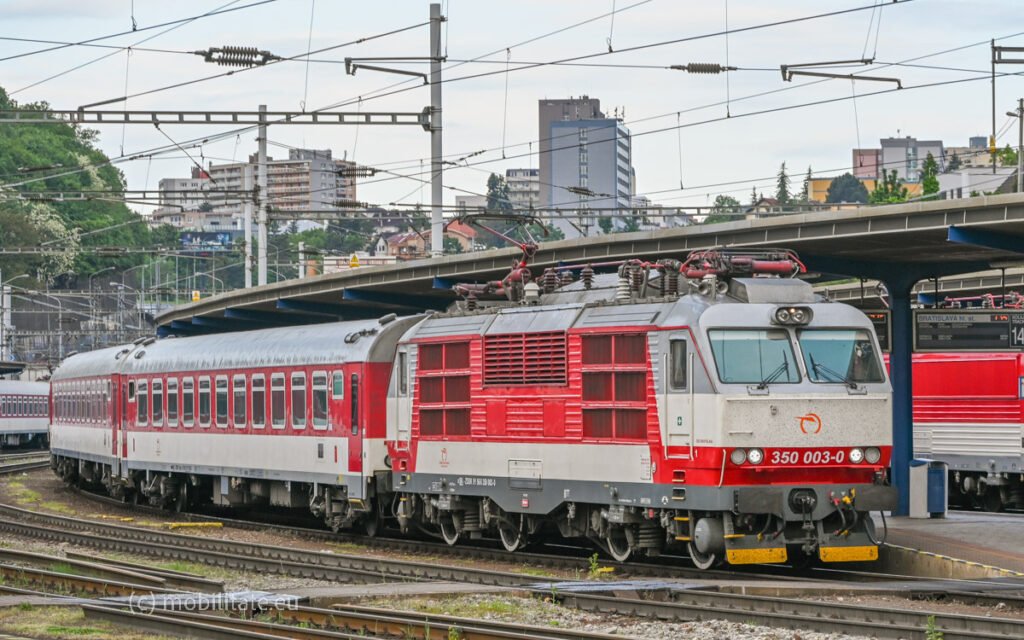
<point x="840" y="355"/>
<point x="754" y="356"/>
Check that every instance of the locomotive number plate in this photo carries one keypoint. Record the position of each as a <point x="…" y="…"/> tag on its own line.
<point x="783" y="457"/>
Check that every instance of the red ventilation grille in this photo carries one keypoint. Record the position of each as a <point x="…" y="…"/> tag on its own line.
<point x="431" y="357"/>
<point x="525" y="358"/>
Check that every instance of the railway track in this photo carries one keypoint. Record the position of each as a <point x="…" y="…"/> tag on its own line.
<point x="684" y="605"/>
<point x="346" y="622"/>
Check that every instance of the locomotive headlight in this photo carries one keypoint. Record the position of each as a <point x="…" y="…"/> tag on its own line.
<point x="872" y="455"/>
<point x="856" y="455"/>
<point x="738" y="456"/>
<point x="755" y="456"/>
<point x="792" y="315"/>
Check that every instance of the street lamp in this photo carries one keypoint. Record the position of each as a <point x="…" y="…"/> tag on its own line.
<point x="1019" y="114"/>
<point x="92" y="305"/>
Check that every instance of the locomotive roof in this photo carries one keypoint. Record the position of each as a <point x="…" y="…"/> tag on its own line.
<point x="319" y="344"/>
<point x="24" y="387"/>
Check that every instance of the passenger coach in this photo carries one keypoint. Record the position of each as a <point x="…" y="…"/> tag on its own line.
<point x="24" y="413"/>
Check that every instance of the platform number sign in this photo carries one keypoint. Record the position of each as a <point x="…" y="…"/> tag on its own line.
<point x="1017" y="330"/>
<point x="968" y="330"/>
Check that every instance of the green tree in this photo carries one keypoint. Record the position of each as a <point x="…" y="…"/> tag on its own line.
<point x="63" y="157"/>
<point x="1007" y="156"/>
<point x="554" y="233"/>
<point x="451" y="245"/>
<point x="497" y="194"/>
<point x="722" y="208"/>
<point x="888" y="190"/>
<point x="605" y="224"/>
<point x="929" y="176"/>
<point x="954" y="163"/>
<point x="805" y="191"/>
<point x="847" y="188"/>
<point x="782" y="186"/>
<point x="753" y="196"/>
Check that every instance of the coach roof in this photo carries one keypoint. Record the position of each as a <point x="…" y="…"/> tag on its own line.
<point x="24" y="387"/>
<point x="318" y="344"/>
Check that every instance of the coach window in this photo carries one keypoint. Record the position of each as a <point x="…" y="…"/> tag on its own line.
<point x="172" y="402"/>
<point x="259" y="401"/>
<point x="131" y="391"/>
<point x="188" y="402"/>
<point x="299" y="400"/>
<point x="222" y="401"/>
<point x="677" y="364"/>
<point x="238" y="412"/>
<point x="277" y="400"/>
<point x="338" y="385"/>
<point x="204" y="402"/>
<point x="158" y="403"/>
<point x="142" y="415"/>
<point x="320" y="400"/>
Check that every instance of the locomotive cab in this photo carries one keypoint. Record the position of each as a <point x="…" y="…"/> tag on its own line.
<point x="795" y="426"/>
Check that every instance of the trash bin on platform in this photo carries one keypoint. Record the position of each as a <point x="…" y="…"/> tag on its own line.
<point x="928" y="489"/>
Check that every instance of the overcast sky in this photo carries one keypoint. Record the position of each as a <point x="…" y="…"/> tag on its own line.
<point x="482" y="114"/>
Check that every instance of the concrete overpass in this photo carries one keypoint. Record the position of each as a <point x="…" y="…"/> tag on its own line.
<point x="986" y="230"/>
<point x="900" y="245"/>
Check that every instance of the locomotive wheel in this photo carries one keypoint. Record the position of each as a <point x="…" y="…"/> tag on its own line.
<point x="448" y="530"/>
<point x="181" y="502"/>
<point x="618" y="544"/>
<point x="371" y="522"/>
<point x="992" y="500"/>
<point x="702" y="561"/>
<point x="512" y="537"/>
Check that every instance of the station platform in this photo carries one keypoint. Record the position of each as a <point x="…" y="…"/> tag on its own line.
<point x="995" y="541"/>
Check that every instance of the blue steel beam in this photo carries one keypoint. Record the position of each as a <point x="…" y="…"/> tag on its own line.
<point x="228" y="324"/>
<point x="406" y="300"/>
<point x="986" y="238"/>
<point x="444" y="283"/>
<point x="899" y="279"/>
<point x="271" y="317"/>
<point x="318" y="308"/>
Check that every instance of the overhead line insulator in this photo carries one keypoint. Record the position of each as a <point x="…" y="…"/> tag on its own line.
<point x="702" y="67"/>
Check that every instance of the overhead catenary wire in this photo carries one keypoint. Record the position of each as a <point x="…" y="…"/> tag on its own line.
<point x="89" y="41"/>
<point x="173" y="27"/>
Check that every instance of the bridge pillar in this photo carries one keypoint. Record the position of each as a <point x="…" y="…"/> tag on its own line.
<point x="901" y="376"/>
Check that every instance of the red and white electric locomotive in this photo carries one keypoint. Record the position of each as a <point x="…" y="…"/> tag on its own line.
<point x="747" y="420"/>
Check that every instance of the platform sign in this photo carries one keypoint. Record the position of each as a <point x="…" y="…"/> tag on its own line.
<point x="882" y="321"/>
<point x="968" y="330"/>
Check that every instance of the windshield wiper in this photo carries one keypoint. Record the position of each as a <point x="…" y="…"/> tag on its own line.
<point x="817" y="367"/>
<point x="775" y="373"/>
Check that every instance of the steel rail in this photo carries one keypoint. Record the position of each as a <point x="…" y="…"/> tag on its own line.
<point x="244" y="556"/>
<point x="670" y="569"/>
<point x="176" y="579"/>
<point x="78" y="583"/>
<point x="788" y="613"/>
<point x="688" y="605"/>
<point x="353" y="622"/>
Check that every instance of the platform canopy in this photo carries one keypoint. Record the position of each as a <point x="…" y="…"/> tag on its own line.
<point x="920" y="240"/>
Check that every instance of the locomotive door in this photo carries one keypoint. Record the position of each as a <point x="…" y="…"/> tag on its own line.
<point x="678" y="397"/>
